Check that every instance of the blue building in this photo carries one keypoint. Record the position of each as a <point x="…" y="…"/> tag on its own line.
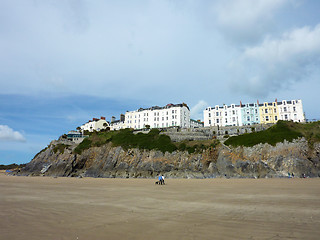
<point x="250" y="113"/>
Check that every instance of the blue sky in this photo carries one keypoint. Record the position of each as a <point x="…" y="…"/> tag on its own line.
<point x="64" y="62"/>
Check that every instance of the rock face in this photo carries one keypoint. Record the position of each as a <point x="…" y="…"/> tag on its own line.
<point x="259" y="161"/>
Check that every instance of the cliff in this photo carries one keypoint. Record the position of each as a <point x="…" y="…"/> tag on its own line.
<point x="259" y="161"/>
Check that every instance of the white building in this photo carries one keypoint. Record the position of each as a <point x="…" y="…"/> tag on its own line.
<point x="159" y="117"/>
<point x="222" y="116"/>
<point x="76" y="136"/>
<point x="95" y="124"/>
<point x="291" y="110"/>
<point x="196" y="123"/>
<point x="117" y="124"/>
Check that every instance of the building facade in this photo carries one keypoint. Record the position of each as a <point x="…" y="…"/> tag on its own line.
<point x="76" y="136"/>
<point x="223" y="116"/>
<point x="268" y="112"/>
<point x="196" y="124"/>
<point x="159" y="117"/>
<point x="95" y="124"/>
<point x="291" y="110"/>
<point x="254" y="113"/>
<point x="250" y="114"/>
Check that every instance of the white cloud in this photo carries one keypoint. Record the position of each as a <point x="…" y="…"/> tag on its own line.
<point x="276" y="63"/>
<point x="196" y="111"/>
<point x="246" y="20"/>
<point x="8" y="134"/>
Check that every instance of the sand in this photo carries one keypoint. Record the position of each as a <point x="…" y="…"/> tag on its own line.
<point x="88" y="208"/>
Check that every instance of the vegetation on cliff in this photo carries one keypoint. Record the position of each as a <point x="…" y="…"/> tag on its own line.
<point x="281" y="131"/>
<point x="12" y="166"/>
<point x="127" y="139"/>
<point x="152" y="140"/>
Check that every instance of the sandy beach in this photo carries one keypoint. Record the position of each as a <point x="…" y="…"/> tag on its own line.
<point x="89" y="208"/>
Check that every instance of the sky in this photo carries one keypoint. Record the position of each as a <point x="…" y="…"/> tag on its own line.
<point x="65" y="62"/>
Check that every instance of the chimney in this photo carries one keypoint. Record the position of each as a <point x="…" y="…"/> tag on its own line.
<point x="113" y="118"/>
<point x="240" y="103"/>
<point x="276" y="100"/>
<point x="258" y="102"/>
<point x="122" y="117"/>
<point x="103" y="118"/>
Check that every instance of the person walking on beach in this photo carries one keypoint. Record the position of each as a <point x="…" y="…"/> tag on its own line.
<point x="162" y="178"/>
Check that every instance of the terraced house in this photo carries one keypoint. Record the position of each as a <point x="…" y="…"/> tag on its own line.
<point x="268" y="112"/>
<point x="223" y="116"/>
<point x="291" y="110"/>
<point x="254" y="113"/>
<point x="250" y="113"/>
<point x="159" y="117"/>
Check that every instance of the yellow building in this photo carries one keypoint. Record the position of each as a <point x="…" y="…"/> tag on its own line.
<point x="268" y="112"/>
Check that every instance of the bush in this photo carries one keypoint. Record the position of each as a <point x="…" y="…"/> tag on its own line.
<point x="60" y="147"/>
<point x="153" y="140"/>
<point x="182" y="147"/>
<point x="277" y="133"/>
<point x="85" y="144"/>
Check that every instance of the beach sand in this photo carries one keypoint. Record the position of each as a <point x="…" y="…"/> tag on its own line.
<point x="92" y="208"/>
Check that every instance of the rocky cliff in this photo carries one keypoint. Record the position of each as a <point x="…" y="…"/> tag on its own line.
<point x="259" y="161"/>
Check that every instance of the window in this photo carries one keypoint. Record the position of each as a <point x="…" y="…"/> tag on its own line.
<point x="286" y="117"/>
<point x="275" y="110"/>
<point x="167" y="118"/>
<point x="217" y="114"/>
<point x="226" y="120"/>
<point x="209" y="114"/>
<point x="209" y="121"/>
<point x="226" y="114"/>
<point x="248" y="119"/>
<point x="155" y="119"/>
<point x="233" y="112"/>
<point x="267" y="118"/>
<point x="285" y="109"/>
<point x="217" y="120"/>
<point x="276" y="118"/>
<point x="233" y="119"/>
<point x="256" y="111"/>
<point x="162" y="119"/>
<point x="266" y="111"/>
<point x="172" y="111"/>
<point x="294" y="109"/>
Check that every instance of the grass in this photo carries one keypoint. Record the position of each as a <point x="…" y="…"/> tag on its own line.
<point x="127" y="139"/>
<point x="281" y="131"/>
<point x="152" y="140"/>
<point x="60" y="147"/>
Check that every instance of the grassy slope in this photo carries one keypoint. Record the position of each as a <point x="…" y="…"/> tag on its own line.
<point x="281" y="131"/>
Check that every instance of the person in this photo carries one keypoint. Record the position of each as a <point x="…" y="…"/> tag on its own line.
<point x="162" y="179"/>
